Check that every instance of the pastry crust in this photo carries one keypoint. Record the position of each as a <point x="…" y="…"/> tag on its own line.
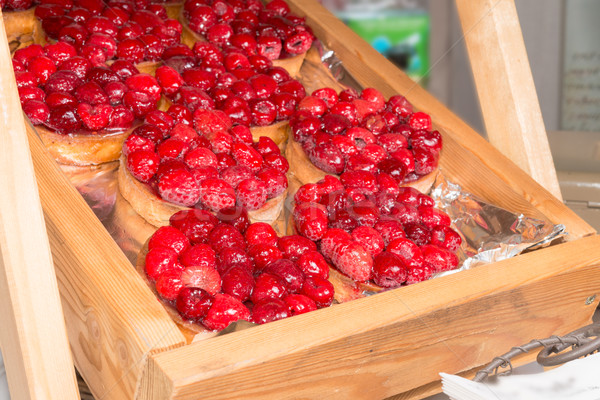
<point x="291" y="64"/>
<point x="83" y="149"/>
<point x="303" y="169"/>
<point x="23" y="28"/>
<point x="157" y="211"/>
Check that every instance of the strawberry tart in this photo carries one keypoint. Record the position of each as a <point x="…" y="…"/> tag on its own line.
<point x="267" y="30"/>
<point x="377" y="234"/>
<point x="82" y="112"/>
<point x="248" y="90"/>
<point x="167" y="166"/>
<point x="335" y="133"/>
<point x="211" y="271"/>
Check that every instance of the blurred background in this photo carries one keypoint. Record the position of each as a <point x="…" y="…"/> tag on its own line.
<point x="424" y="38"/>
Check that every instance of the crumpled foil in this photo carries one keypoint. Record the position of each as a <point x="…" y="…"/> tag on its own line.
<point x="489" y="233"/>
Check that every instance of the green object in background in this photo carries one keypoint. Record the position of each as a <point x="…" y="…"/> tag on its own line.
<point x="402" y="36"/>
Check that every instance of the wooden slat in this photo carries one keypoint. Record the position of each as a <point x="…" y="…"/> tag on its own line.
<point x="509" y="103"/>
<point x="394" y="341"/>
<point x="370" y="68"/>
<point x="33" y="335"/>
<point x="114" y="321"/>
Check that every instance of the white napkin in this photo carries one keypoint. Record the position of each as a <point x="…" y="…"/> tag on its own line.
<point x="575" y="380"/>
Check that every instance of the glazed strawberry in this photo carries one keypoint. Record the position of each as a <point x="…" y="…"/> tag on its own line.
<point x="370" y="239"/>
<point x="236" y="216"/>
<point x="231" y="256"/>
<point x="268" y="286"/>
<point x="199" y="255"/>
<point x="418" y="233"/>
<point x="225" y="235"/>
<point x="353" y="260"/>
<point x="419" y="274"/>
<point x="160" y="260"/>
<point x="299" y="304"/>
<point x="292" y="247"/>
<point x="275" y="181"/>
<point x="320" y="290"/>
<point x="389" y="230"/>
<point x="217" y="194"/>
<point x="167" y="236"/>
<point x="200" y="157"/>
<point x="332" y="239"/>
<point x="389" y="271"/>
<point x="289" y="272"/>
<point x="179" y="187"/>
<point x="261" y="232"/>
<point x="311" y="220"/>
<point x="270" y="310"/>
<point x="309" y="193"/>
<point x="252" y="193"/>
<point x="238" y="282"/>
<point x="408" y="251"/>
<point x="37" y="111"/>
<point x="312" y="263"/>
<point x="169" y="284"/>
<point x="445" y="237"/>
<point x="203" y="277"/>
<point x="224" y="311"/>
<point x="439" y="259"/>
<point x="193" y="303"/>
<point x="264" y="254"/>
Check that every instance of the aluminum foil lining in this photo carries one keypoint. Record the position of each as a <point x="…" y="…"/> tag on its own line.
<point x="489" y="233"/>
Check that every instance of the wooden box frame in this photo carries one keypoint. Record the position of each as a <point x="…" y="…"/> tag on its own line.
<point x="126" y="346"/>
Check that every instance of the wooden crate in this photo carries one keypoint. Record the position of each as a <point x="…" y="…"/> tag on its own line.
<point x="396" y="342"/>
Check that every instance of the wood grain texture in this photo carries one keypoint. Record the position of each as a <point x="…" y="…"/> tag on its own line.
<point x="32" y="321"/>
<point x="114" y="321"/>
<point x="371" y="69"/>
<point x="394" y="341"/>
<point x="509" y="103"/>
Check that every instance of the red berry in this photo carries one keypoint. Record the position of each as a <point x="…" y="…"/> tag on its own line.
<point x="169" y="284"/>
<point x="270" y="310"/>
<point x="299" y="304"/>
<point x="320" y="290"/>
<point x="203" y="277"/>
<point x="264" y="254"/>
<point x="252" y="193"/>
<point x="389" y="270"/>
<point x="225" y="235"/>
<point x="193" y="303"/>
<point x="370" y="239"/>
<point x="408" y="251"/>
<point x="194" y="224"/>
<point x="312" y="263"/>
<point x="235" y="216"/>
<point x="289" y="272"/>
<point x="261" y="232"/>
<point x="439" y="258"/>
<point x="224" y="311"/>
<point x="179" y="187"/>
<point x="199" y="255"/>
<point x="238" y="282"/>
<point x="216" y="194"/>
<point x="167" y="236"/>
<point x="160" y="260"/>
<point x="293" y="246"/>
<point x="268" y="286"/>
